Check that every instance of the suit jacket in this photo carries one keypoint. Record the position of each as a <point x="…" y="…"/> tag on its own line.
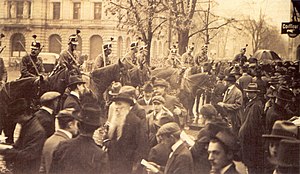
<point x="124" y="151"/>
<point x="72" y="102"/>
<point x="48" y="149"/>
<point x="159" y="154"/>
<point x="171" y="103"/>
<point x="47" y="121"/>
<point x="27" y="152"/>
<point x="231" y="170"/>
<point x="181" y="162"/>
<point x="3" y="72"/>
<point x="233" y="108"/>
<point x="79" y="155"/>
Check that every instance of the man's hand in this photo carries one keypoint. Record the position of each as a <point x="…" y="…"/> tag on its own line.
<point x="177" y="111"/>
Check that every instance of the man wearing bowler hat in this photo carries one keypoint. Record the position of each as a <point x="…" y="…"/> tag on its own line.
<point x="222" y="151"/>
<point x="31" y="64"/>
<point x="81" y="154"/>
<point x="45" y="114"/>
<point x="251" y="131"/>
<point x="67" y="129"/>
<point x="279" y="111"/>
<point x="126" y="138"/>
<point x="281" y="130"/>
<point x="231" y="105"/>
<point x="77" y="88"/>
<point x="25" y="156"/>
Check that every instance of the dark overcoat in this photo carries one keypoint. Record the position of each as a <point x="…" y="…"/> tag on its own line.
<point x="47" y="121"/>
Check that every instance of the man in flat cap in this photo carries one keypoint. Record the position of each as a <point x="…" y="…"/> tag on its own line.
<point x="67" y="129"/>
<point x="77" y="88"/>
<point x="32" y="65"/>
<point x="221" y="152"/>
<point x="45" y="114"/>
<point x="81" y="154"/>
<point x="126" y="135"/>
<point x="180" y="159"/>
<point x="27" y="151"/>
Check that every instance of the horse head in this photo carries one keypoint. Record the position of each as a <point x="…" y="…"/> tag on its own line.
<point x="124" y="77"/>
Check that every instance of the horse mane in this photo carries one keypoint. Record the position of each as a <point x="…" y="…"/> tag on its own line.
<point x="190" y="83"/>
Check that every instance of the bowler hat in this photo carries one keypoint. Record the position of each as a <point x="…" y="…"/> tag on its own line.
<point x="160" y="82"/>
<point x="75" y="79"/>
<point x="289" y="153"/>
<point x="90" y="114"/>
<point x="208" y="110"/>
<point x="123" y="97"/>
<point x="169" y="128"/>
<point x="285" y="93"/>
<point x="48" y="96"/>
<point x="229" y="139"/>
<point x="158" y="99"/>
<point x="115" y="88"/>
<point x="230" y="78"/>
<point x="148" y="87"/>
<point x="283" y="130"/>
<point x="163" y="119"/>
<point x="252" y="87"/>
<point x="17" y="107"/>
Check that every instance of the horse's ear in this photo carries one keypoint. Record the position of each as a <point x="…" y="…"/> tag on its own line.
<point x="42" y="78"/>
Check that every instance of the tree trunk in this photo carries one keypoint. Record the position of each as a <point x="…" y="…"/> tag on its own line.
<point x="183" y="41"/>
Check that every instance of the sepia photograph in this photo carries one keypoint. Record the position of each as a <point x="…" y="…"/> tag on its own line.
<point x="149" y="87"/>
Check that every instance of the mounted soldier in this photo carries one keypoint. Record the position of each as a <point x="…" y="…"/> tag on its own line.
<point x="68" y="58"/>
<point x="202" y="56"/>
<point x="103" y="59"/>
<point x="187" y="57"/>
<point x="131" y="57"/>
<point x="31" y="64"/>
<point x="173" y="59"/>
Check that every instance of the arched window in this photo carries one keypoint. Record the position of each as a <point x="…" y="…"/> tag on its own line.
<point x="17" y="41"/>
<point x="96" y="43"/>
<point x="120" y="47"/>
<point x="55" y="44"/>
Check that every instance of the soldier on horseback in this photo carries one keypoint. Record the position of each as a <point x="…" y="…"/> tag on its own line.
<point x="31" y="64"/>
<point x="130" y="57"/>
<point x="202" y="56"/>
<point x="173" y="59"/>
<point x="103" y="59"/>
<point x="188" y="58"/>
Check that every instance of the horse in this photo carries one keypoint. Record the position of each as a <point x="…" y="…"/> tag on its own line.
<point x="139" y="75"/>
<point x="30" y="88"/>
<point x="170" y="74"/>
<point x="101" y="79"/>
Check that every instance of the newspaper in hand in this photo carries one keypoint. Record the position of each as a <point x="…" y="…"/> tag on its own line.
<point x="5" y="146"/>
<point x="149" y="166"/>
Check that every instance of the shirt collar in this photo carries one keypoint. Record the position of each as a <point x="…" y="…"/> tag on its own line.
<point x="224" y="169"/>
<point x="75" y="94"/>
<point x="147" y="101"/>
<point x="176" y="145"/>
<point x="66" y="132"/>
<point x="47" y="109"/>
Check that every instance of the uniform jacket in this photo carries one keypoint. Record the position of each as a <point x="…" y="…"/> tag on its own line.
<point x="27" y="68"/>
<point x="47" y="121"/>
<point x="79" y="155"/>
<point x="124" y="151"/>
<point x="72" y="102"/>
<point x="48" y="149"/>
<point x="250" y="134"/>
<point x="233" y="107"/>
<point x="3" y="72"/>
<point x="27" y="152"/>
<point x="188" y="59"/>
<point x="69" y="59"/>
<point x="99" y="61"/>
<point x="181" y="162"/>
<point x="159" y="154"/>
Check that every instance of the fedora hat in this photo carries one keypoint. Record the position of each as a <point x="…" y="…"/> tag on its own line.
<point x="160" y="82"/>
<point x="252" y="87"/>
<point x="283" y="130"/>
<point x="115" y="88"/>
<point x="129" y="90"/>
<point x="123" y="97"/>
<point x="75" y="79"/>
<point x="90" y="114"/>
<point x="230" y="78"/>
<point x="289" y="153"/>
<point x="285" y="93"/>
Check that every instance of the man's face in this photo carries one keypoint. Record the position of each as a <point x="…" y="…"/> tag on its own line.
<point x="73" y="47"/>
<point x="73" y="127"/>
<point x="81" y="88"/>
<point x="273" y="148"/>
<point x="217" y="156"/>
<point x="148" y="95"/>
<point x="251" y="95"/>
<point x="121" y="107"/>
<point x="108" y="52"/>
<point x="159" y="90"/>
<point x="35" y="52"/>
<point x="157" y="106"/>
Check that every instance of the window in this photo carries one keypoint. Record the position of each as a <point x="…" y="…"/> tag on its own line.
<point x="20" y="6"/>
<point x="19" y="9"/>
<point x="97" y="10"/>
<point x="56" y="10"/>
<point x="17" y="40"/>
<point x="76" y="10"/>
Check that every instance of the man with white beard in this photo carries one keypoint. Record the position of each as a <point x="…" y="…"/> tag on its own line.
<point x="126" y="138"/>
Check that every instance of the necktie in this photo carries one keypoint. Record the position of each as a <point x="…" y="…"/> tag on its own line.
<point x="226" y="93"/>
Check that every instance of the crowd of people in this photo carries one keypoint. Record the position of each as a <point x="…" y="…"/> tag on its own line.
<point x="251" y="117"/>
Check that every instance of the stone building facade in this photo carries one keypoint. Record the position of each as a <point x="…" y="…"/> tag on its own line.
<point x="54" y="20"/>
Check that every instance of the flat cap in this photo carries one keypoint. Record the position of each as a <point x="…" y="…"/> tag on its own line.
<point x="48" y="96"/>
<point x="158" y="99"/>
<point x="169" y="128"/>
